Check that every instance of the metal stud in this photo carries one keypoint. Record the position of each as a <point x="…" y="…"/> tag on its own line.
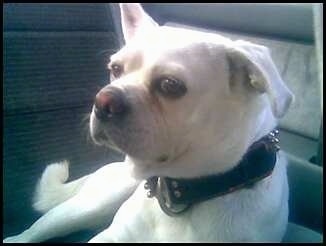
<point x="276" y="147"/>
<point x="177" y="193"/>
<point x="168" y="205"/>
<point x="276" y="132"/>
<point x="150" y="194"/>
<point x="146" y="186"/>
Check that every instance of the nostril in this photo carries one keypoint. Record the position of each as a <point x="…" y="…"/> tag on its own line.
<point x="109" y="103"/>
<point x="103" y="100"/>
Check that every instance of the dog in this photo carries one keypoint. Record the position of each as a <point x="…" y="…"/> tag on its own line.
<point x="188" y="109"/>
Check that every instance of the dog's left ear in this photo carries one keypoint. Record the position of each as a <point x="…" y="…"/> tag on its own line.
<point x="262" y="73"/>
<point x="134" y="19"/>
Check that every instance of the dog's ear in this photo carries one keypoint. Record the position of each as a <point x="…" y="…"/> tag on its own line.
<point x="262" y="73"/>
<point x="134" y="19"/>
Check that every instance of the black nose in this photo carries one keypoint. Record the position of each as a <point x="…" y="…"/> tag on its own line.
<point x="110" y="102"/>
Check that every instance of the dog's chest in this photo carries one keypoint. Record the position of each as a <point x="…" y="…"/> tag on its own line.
<point x="227" y="218"/>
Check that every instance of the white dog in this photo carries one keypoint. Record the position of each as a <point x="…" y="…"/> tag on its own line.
<point x="193" y="112"/>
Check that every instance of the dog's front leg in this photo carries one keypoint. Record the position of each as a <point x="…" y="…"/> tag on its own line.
<point x="137" y="220"/>
<point x="96" y="203"/>
<point x="70" y="216"/>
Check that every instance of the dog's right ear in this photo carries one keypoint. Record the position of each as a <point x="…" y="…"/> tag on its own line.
<point x="134" y="20"/>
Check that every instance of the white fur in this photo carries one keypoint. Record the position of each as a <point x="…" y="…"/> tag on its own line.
<point x="234" y="97"/>
<point x="98" y="198"/>
<point x="51" y="190"/>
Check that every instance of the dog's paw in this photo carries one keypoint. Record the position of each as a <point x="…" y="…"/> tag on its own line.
<point x="14" y="239"/>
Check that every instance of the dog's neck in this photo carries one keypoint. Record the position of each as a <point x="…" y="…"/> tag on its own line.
<point x="176" y="195"/>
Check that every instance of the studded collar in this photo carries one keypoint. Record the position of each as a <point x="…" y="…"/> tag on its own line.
<point x="176" y="195"/>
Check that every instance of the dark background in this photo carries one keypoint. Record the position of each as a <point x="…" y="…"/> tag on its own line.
<point x="54" y="63"/>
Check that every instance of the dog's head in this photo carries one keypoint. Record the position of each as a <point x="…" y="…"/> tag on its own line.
<point x="184" y="103"/>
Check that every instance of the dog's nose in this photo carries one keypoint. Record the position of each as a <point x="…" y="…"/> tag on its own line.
<point x="110" y="102"/>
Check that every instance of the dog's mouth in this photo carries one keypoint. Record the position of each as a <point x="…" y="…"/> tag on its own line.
<point x="129" y="139"/>
<point x="102" y="139"/>
<point x="99" y="136"/>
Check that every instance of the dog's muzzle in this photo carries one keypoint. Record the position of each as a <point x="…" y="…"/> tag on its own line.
<point x="110" y="102"/>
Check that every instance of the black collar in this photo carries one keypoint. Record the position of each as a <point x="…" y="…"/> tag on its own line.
<point x="175" y="195"/>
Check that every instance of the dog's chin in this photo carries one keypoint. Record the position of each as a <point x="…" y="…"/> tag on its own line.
<point x="102" y="140"/>
<point x="159" y="159"/>
<point x="114" y="139"/>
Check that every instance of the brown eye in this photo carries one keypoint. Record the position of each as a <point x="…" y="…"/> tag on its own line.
<point x="171" y="87"/>
<point x="116" y="70"/>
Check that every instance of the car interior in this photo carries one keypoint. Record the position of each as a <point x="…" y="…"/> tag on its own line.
<point x="55" y="57"/>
